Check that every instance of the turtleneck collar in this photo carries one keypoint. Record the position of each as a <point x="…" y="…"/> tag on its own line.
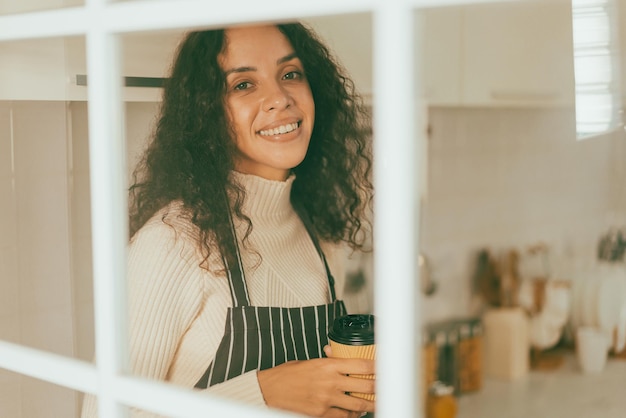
<point x="265" y="198"/>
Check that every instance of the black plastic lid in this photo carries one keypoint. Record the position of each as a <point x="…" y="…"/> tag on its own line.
<point x="355" y="329"/>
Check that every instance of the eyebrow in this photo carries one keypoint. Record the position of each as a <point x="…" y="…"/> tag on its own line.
<point x="282" y="60"/>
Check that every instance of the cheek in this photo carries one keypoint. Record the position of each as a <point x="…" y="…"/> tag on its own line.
<point x="304" y="99"/>
<point x="239" y="117"/>
<point x="310" y="105"/>
<point x="307" y="106"/>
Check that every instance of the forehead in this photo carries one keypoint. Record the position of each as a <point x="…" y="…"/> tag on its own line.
<point x="248" y="43"/>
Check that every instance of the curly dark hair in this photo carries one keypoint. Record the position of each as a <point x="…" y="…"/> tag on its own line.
<point x="192" y="151"/>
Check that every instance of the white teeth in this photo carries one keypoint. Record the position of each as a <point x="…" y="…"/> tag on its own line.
<point x="283" y="129"/>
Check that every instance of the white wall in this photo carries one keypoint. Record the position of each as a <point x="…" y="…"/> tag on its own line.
<point x="507" y="179"/>
<point x="36" y="307"/>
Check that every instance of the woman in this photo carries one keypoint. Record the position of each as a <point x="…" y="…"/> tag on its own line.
<point x="258" y="169"/>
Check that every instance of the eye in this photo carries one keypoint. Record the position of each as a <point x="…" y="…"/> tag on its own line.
<point x="244" y="85"/>
<point x="293" y="75"/>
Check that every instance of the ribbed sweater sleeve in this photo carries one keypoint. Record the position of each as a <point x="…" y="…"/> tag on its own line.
<point x="165" y="293"/>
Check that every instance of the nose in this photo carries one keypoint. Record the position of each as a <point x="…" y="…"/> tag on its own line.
<point x="276" y="98"/>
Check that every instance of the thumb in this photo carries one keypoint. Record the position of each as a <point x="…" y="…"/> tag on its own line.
<point x="328" y="351"/>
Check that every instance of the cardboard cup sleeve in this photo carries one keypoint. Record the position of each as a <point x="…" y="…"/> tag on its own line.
<point x="355" y="350"/>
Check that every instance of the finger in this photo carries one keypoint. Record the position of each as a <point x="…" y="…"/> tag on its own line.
<point x="358" y="384"/>
<point x="328" y="351"/>
<point x="355" y="366"/>
<point x="340" y="413"/>
<point x="352" y="403"/>
<point x="354" y="414"/>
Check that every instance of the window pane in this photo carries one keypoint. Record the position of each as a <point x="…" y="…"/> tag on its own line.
<point x="149" y="55"/>
<point x="45" y="251"/>
<point x="25" y="397"/>
<point x="24" y="6"/>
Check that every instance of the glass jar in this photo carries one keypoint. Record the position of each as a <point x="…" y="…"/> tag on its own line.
<point x="441" y="402"/>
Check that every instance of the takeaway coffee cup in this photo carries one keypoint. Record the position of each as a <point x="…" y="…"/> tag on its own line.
<point x="352" y="336"/>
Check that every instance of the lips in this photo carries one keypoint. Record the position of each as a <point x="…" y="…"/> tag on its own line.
<point x="281" y="129"/>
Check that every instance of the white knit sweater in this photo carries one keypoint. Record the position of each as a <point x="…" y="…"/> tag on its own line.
<point x="177" y="310"/>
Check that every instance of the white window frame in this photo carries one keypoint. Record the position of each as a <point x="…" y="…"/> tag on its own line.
<point x="397" y="301"/>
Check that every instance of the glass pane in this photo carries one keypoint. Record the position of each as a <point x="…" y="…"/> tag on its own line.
<point x="10" y="391"/>
<point x="515" y="211"/>
<point x="145" y="61"/>
<point x="350" y="38"/>
<point x="355" y="54"/>
<point x="45" y="248"/>
<point x="9" y="283"/>
<point x="82" y="283"/>
<point x="25" y="397"/>
<point x="148" y="56"/>
<point x="41" y="224"/>
<point x="24" y="6"/>
<point x="33" y="69"/>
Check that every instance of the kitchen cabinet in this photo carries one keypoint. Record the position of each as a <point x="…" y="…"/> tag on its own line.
<point x="499" y="54"/>
<point x="32" y="70"/>
<point x="46" y="69"/>
<point x="439" y="32"/>
<point x="516" y="53"/>
<point x="141" y="55"/>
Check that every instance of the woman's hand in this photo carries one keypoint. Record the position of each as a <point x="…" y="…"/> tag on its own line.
<point x="318" y="387"/>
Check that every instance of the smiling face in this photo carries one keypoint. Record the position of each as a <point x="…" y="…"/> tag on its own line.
<point x="268" y="101"/>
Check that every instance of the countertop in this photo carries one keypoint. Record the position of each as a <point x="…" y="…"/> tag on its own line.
<point x="562" y="393"/>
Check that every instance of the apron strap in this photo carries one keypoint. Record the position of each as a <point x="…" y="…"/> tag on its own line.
<point x="236" y="275"/>
<point x="306" y="220"/>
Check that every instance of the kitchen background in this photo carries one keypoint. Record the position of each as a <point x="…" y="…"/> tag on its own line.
<point x="504" y="172"/>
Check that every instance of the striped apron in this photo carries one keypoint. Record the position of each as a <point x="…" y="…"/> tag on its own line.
<point x="260" y="337"/>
